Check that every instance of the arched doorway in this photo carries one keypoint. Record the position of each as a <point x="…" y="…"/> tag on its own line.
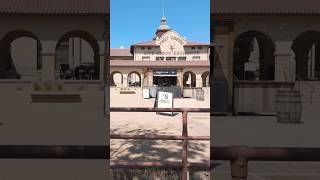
<point x="20" y="56"/>
<point x="134" y="79"/>
<point x="254" y="56"/>
<point x="307" y="55"/>
<point x="205" y="79"/>
<point x="189" y="79"/>
<point x="116" y="79"/>
<point x="77" y="56"/>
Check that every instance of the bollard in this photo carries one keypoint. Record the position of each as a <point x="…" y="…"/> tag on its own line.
<point x="239" y="168"/>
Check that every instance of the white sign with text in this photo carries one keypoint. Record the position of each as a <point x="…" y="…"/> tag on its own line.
<point x="165" y="100"/>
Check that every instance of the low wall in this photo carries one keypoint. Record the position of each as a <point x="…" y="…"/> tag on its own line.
<point x="50" y="86"/>
<point x="191" y="91"/>
<point x="257" y="96"/>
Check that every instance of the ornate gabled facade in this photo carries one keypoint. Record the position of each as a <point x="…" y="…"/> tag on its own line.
<point x="168" y="59"/>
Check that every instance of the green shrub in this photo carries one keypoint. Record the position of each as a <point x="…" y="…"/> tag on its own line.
<point x="60" y="87"/>
<point x="37" y="87"/>
<point x="47" y="86"/>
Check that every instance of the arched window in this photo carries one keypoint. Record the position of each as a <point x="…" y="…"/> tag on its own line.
<point x="254" y="56"/>
<point x="134" y="79"/>
<point x="205" y="79"/>
<point x="20" y="55"/>
<point x="189" y="79"/>
<point x="307" y="55"/>
<point x="116" y="78"/>
<point x="77" y="56"/>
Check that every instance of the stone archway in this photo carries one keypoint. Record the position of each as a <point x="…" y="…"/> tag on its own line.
<point x="307" y="55"/>
<point x="77" y="56"/>
<point x="189" y="79"/>
<point x="20" y="55"/>
<point x="116" y="78"/>
<point x="254" y="56"/>
<point x="134" y="79"/>
<point x="205" y="79"/>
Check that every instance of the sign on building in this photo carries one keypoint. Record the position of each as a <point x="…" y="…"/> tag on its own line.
<point x="164" y="100"/>
<point x="165" y="72"/>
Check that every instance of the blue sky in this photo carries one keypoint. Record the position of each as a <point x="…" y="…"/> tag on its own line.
<point x="134" y="21"/>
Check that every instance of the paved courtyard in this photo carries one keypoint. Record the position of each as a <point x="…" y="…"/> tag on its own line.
<point x="152" y="123"/>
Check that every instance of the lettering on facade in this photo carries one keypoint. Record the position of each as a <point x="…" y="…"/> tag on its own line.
<point x="173" y="38"/>
<point x="171" y="53"/>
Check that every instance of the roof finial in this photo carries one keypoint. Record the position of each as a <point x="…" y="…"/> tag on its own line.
<point x="163" y="8"/>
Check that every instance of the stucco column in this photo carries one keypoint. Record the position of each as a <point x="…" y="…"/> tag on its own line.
<point x="150" y="77"/>
<point x="222" y="77"/>
<point x="101" y="67"/>
<point x="142" y="79"/>
<point x="198" y="80"/>
<point x="180" y="78"/>
<point x="48" y="66"/>
<point x="125" y="80"/>
<point x="48" y="60"/>
<point x="104" y="71"/>
<point x="231" y="39"/>
<point x="284" y="62"/>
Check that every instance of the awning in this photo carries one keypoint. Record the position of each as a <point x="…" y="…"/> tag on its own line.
<point x="165" y="73"/>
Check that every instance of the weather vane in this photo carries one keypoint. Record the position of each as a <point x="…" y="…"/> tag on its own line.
<point x="162" y="8"/>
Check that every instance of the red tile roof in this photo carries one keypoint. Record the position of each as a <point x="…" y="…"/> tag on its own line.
<point x="120" y="52"/>
<point x="303" y="7"/>
<point x="146" y="43"/>
<point x="153" y="43"/>
<point x="131" y="63"/>
<point x="63" y="7"/>
<point x="189" y="43"/>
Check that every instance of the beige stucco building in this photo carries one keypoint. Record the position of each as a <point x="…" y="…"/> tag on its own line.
<point x="167" y="60"/>
<point x="42" y="43"/>
<point x="52" y="54"/>
<point x="261" y="46"/>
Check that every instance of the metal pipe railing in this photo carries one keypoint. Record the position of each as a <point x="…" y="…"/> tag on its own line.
<point x="114" y="164"/>
<point x="53" y="152"/>
<point x="184" y="164"/>
<point x="240" y="155"/>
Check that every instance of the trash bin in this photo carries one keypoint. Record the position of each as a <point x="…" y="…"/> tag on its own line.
<point x="288" y="106"/>
<point x="146" y="93"/>
<point x="200" y="95"/>
<point x="153" y="91"/>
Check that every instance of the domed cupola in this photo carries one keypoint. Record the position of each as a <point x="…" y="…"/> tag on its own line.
<point x="163" y="27"/>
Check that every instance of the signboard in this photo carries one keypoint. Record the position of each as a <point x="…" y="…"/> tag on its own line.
<point x="164" y="100"/>
<point x="165" y="72"/>
<point x="146" y="93"/>
<point x="249" y="66"/>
